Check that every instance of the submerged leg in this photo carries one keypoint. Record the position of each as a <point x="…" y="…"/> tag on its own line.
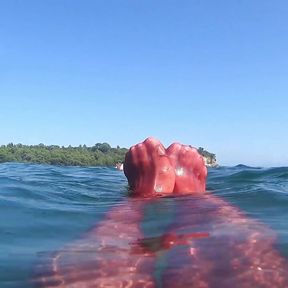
<point x="107" y="256"/>
<point x="238" y="251"/>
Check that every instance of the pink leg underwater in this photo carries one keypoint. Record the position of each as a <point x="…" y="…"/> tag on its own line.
<point x="237" y="251"/>
<point x="107" y="256"/>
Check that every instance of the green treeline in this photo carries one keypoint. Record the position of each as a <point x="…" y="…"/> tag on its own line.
<point x="101" y="154"/>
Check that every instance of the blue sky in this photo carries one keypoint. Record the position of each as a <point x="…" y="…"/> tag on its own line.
<point x="206" y="73"/>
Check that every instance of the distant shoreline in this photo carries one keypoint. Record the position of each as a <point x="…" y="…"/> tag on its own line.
<point x="101" y="154"/>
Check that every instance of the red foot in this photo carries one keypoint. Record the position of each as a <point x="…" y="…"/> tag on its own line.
<point x="189" y="167"/>
<point x="148" y="169"/>
<point x="153" y="170"/>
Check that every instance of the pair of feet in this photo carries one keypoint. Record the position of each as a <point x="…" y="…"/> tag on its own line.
<point x="153" y="170"/>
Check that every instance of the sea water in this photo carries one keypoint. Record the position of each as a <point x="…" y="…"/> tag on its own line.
<point x="42" y="208"/>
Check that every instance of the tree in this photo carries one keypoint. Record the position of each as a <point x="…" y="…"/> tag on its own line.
<point x="103" y="147"/>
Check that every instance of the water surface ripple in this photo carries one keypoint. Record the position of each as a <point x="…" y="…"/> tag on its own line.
<point x="45" y="207"/>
